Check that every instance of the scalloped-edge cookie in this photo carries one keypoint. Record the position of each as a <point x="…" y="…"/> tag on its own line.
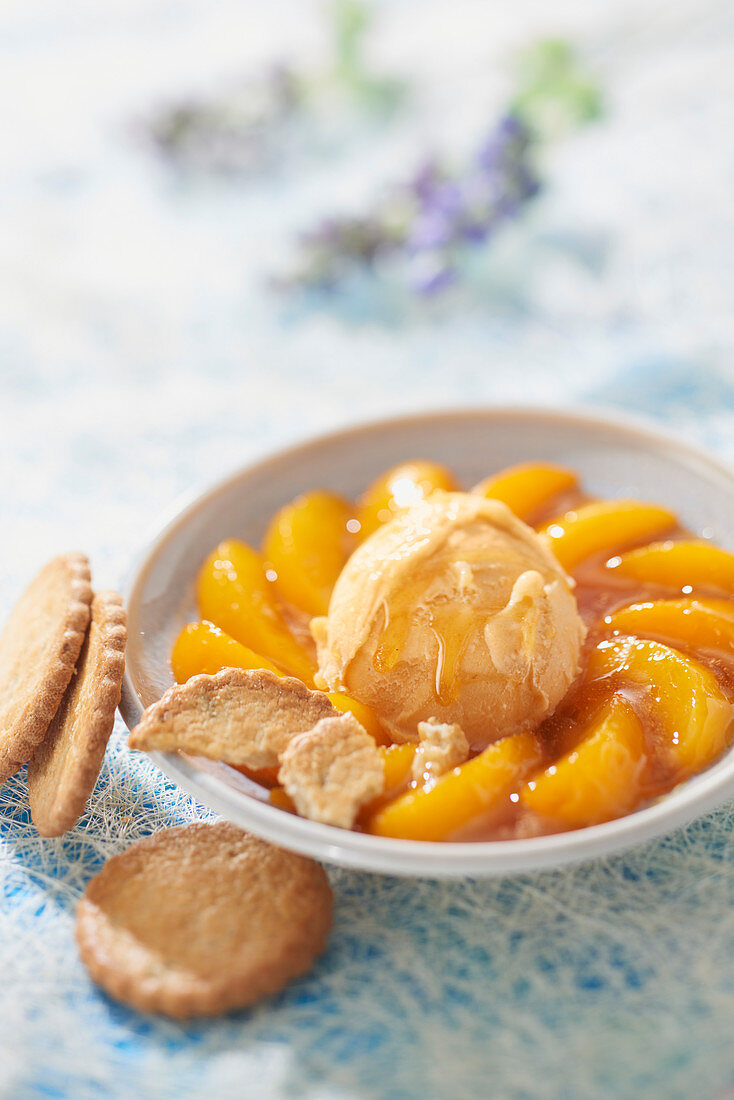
<point x="39" y="648"/>
<point x="239" y="716"/>
<point x="65" y="766"/>
<point x="202" y="919"/>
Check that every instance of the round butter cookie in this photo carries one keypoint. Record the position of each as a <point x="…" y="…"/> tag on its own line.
<point x="39" y="648"/>
<point x="202" y="919"/>
<point x="65" y="766"/>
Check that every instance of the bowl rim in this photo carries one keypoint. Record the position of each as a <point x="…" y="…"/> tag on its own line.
<point x="429" y="859"/>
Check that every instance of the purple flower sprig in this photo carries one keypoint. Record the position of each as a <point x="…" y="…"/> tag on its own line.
<point x="283" y="113"/>
<point x="234" y="134"/>
<point x="425" y="229"/>
<point x="428" y="223"/>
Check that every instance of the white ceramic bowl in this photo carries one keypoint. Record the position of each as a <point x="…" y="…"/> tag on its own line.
<point x="613" y="457"/>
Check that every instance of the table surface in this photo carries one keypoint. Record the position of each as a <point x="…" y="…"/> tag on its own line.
<point x="142" y="354"/>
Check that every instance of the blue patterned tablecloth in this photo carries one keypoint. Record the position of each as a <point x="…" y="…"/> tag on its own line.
<point x="142" y="354"/>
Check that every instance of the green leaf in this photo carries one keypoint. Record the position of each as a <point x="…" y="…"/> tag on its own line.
<point x="554" y="91"/>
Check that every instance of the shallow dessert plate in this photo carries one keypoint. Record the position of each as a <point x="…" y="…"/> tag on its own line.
<point x="615" y="459"/>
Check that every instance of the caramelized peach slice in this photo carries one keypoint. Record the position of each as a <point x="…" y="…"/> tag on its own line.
<point x="400" y="487"/>
<point x="203" y="647"/>
<point x="365" y="715"/>
<point x="700" y="624"/>
<point x="435" y="812"/>
<point x="601" y="779"/>
<point x="235" y="594"/>
<point x="602" y="527"/>
<point x="307" y="544"/>
<point x="692" y="713"/>
<point x="527" y="487"/>
<point x="281" y="799"/>
<point x="686" y="564"/>
<point x="398" y="760"/>
<point x="266" y="777"/>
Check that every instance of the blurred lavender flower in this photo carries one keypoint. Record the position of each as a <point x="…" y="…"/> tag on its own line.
<point x="426" y="227"/>
<point x="254" y="124"/>
<point x="236" y="133"/>
<point x="429" y="221"/>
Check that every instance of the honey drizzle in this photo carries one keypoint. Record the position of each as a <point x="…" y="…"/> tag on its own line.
<point x="452" y="629"/>
<point x="452" y="626"/>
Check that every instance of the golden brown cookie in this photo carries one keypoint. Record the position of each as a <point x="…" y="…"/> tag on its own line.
<point x="39" y="648"/>
<point x="202" y="919"/>
<point x="65" y="766"/>
<point x="241" y="716"/>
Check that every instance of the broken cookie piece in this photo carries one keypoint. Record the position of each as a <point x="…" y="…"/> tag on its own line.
<point x="442" y="747"/>
<point x="239" y="716"/>
<point x="332" y="771"/>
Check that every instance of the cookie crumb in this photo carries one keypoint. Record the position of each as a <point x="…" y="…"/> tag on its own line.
<point x="442" y="746"/>
<point x="332" y="771"/>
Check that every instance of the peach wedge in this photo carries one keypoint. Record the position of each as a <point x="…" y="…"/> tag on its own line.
<point x="694" y="624"/>
<point x="307" y="544"/>
<point x="398" y="760"/>
<point x="477" y="787"/>
<point x="527" y="487"/>
<point x="398" y="488"/>
<point x="691" y="711"/>
<point x="601" y="778"/>
<point x="234" y="594"/>
<point x="203" y="647"/>
<point x="364" y="714"/>
<point x="688" y="564"/>
<point x="603" y="527"/>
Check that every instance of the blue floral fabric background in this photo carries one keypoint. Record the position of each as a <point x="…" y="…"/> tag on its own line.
<point x="145" y="351"/>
